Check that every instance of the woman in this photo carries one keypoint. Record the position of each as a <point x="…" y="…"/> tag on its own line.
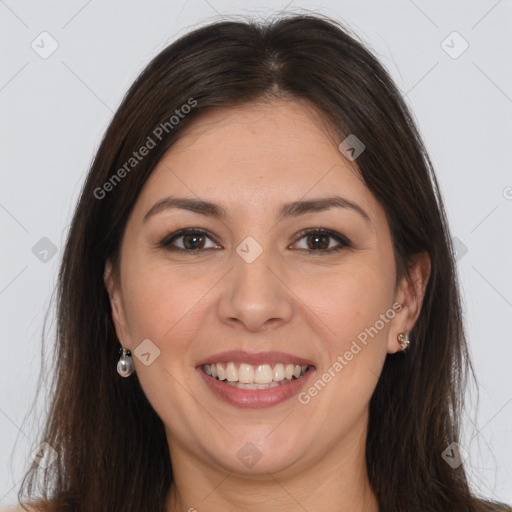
<point x="261" y="252"/>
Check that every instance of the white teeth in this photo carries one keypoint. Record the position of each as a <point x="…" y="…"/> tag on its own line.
<point x="253" y="385"/>
<point x="231" y="373"/>
<point x="246" y="374"/>
<point x="220" y="372"/>
<point x="278" y="373"/>
<point x="261" y="375"/>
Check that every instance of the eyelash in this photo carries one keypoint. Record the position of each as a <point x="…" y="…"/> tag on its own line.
<point x="166" y="242"/>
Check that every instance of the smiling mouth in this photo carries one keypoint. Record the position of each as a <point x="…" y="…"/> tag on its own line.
<point x="261" y="376"/>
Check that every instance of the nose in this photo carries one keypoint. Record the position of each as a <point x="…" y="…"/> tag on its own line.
<point x="256" y="295"/>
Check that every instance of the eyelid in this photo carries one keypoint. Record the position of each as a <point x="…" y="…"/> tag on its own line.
<point x="166" y="241"/>
<point x="342" y="240"/>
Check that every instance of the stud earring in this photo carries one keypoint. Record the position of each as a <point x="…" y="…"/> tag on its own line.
<point x="404" y="342"/>
<point x="125" y="365"/>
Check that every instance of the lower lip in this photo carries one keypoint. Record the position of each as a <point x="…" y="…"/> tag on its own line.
<point x="255" y="398"/>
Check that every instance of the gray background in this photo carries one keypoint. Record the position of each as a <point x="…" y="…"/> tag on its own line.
<point x="54" y="111"/>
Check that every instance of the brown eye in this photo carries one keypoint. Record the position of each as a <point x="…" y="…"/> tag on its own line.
<point x="191" y="241"/>
<point x="319" y="241"/>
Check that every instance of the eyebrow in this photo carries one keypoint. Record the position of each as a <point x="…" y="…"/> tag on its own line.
<point x="292" y="209"/>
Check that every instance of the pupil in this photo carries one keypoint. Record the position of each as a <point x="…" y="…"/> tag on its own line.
<point x="316" y="238"/>
<point x="318" y="241"/>
<point x="194" y="238"/>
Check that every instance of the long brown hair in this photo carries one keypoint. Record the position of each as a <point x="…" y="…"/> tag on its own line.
<point x="111" y="445"/>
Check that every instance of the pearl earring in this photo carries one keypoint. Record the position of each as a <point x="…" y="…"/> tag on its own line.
<point x="404" y="342"/>
<point x="125" y="365"/>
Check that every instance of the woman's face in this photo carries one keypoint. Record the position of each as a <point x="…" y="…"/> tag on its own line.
<point x="264" y="285"/>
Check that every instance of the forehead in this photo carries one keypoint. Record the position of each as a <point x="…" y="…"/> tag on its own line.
<point x="256" y="155"/>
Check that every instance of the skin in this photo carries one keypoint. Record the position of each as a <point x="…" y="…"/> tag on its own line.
<point x="251" y="159"/>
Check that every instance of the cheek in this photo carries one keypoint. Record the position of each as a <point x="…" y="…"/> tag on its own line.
<point x="351" y="299"/>
<point x="354" y="350"/>
<point x="356" y="305"/>
<point x="161" y="304"/>
<point x="342" y="300"/>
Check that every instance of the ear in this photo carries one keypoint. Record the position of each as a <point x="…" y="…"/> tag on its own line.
<point x="409" y="294"/>
<point x="116" y="304"/>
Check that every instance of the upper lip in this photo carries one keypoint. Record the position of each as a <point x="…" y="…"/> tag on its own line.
<point x="241" y="356"/>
